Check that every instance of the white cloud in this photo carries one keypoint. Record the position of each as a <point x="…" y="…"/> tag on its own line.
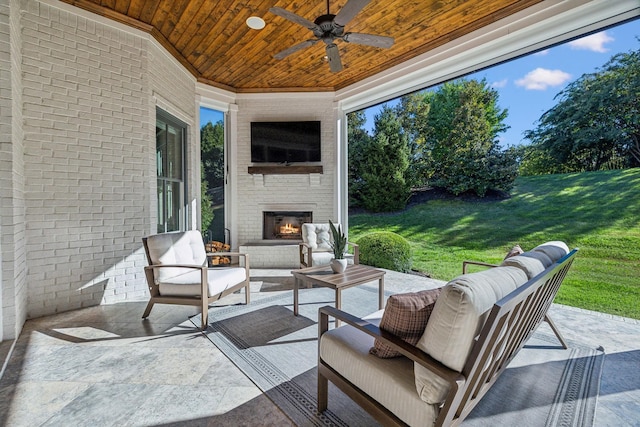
<point x="594" y="42"/>
<point x="499" y="84"/>
<point x="542" y="79"/>
<point x="541" y="53"/>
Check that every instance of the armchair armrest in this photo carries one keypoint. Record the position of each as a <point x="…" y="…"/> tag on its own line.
<point x="356" y="252"/>
<point x="484" y="264"/>
<point x="194" y="266"/>
<point x="408" y="350"/>
<point x="305" y="247"/>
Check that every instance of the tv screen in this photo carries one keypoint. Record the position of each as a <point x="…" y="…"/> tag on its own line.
<point x="285" y="142"/>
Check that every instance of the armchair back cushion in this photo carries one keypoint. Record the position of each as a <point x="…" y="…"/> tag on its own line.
<point x="176" y="248"/>
<point x="317" y="236"/>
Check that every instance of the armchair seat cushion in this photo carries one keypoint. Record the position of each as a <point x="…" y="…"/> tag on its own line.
<point x="388" y="381"/>
<point x="324" y="258"/>
<point x="188" y="283"/>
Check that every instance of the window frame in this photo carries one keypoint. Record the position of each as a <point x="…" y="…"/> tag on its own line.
<point x="166" y="182"/>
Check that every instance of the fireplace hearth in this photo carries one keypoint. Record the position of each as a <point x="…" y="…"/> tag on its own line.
<point x="284" y="225"/>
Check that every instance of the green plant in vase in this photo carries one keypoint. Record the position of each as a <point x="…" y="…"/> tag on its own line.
<point x="339" y="246"/>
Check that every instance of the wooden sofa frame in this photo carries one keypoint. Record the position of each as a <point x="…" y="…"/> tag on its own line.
<point x="511" y="321"/>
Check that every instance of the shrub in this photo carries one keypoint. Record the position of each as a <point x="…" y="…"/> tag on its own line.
<point x="385" y="250"/>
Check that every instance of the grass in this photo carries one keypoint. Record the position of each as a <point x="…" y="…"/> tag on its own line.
<point x="598" y="212"/>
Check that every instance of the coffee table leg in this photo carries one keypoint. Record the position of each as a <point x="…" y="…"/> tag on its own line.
<point x="295" y="297"/>
<point x="338" y="303"/>
<point x="381" y="293"/>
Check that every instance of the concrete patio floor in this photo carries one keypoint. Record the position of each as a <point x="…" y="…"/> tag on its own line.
<point x="105" y="366"/>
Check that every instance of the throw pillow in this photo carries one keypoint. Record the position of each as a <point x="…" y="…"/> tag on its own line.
<point x="406" y="316"/>
<point x="516" y="250"/>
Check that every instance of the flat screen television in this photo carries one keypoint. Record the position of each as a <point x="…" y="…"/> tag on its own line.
<point x="285" y="142"/>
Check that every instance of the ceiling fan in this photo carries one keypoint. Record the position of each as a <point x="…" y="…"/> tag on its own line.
<point x="330" y="28"/>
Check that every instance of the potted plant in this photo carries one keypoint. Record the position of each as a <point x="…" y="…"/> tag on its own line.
<point x="339" y="245"/>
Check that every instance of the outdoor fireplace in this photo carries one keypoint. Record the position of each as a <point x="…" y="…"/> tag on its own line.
<point x="284" y="225"/>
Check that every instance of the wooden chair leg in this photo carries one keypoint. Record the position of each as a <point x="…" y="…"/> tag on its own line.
<point x="323" y="393"/>
<point x="147" y="311"/>
<point x="555" y="330"/>
<point x="247" y="293"/>
<point x="205" y="314"/>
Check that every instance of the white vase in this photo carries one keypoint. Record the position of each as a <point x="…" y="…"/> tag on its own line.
<point x="338" y="265"/>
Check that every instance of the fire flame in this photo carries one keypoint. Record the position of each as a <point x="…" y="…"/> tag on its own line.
<point x="289" y="229"/>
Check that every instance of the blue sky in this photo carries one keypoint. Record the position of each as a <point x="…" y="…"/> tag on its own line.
<point x="527" y="86"/>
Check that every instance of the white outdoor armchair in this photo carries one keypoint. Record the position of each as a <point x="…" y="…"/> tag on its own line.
<point x="178" y="272"/>
<point x="315" y="248"/>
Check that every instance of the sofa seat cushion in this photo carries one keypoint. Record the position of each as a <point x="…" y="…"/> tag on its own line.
<point x="188" y="284"/>
<point x="388" y="381"/>
<point x="405" y="316"/>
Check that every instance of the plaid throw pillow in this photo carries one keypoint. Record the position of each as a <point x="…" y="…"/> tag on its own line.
<point x="405" y="316"/>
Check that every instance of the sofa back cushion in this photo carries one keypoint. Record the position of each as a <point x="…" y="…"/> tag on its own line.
<point x="554" y="250"/>
<point x="538" y="259"/>
<point x="458" y="315"/>
<point x="184" y="247"/>
<point x="531" y="263"/>
<point x="318" y="236"/>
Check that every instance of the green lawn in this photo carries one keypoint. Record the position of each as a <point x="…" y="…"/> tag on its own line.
<point x="598" y="212"/>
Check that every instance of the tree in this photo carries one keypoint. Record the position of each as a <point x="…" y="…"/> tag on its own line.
<point x="212" y="148"/>
<point x="413" y="112"/>
<point x="206" y="207"/>
<point x="385" y="162"/>
<point x="211" y="167"/>
<point x="461" y="139"/>
<point x="358" y="144"/>
<point x="595" y="122"/>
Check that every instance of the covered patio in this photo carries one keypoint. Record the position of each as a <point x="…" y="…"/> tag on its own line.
<point x="82" y="87"/>
<point x="103" y="365"/>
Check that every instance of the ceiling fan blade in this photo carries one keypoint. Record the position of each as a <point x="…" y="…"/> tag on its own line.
<point x="369" y="39"/>
<point x="349" y="11"/>
<point x="296" y="47"/>
<point x="335" y="64"/>
<point x="294" y="18"/>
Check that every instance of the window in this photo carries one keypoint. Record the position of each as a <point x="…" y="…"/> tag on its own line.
<point x="170" y="143"/>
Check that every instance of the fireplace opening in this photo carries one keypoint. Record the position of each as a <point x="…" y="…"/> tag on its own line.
<point x="284" y="225"/>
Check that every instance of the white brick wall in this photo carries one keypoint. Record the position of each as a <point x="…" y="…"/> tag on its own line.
<point x="90" y="93"/>
<point x="12" y="249"/>
<point x="78" y="171"/>
<point x="257" y="193"/>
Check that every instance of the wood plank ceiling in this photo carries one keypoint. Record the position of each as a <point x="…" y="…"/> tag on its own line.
<point x="211" y="38"/>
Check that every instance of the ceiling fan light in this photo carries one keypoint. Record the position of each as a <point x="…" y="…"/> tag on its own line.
<point x="255" y="23"/>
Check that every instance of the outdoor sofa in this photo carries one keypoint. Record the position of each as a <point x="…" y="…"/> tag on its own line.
<point x="478" y="324"/>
